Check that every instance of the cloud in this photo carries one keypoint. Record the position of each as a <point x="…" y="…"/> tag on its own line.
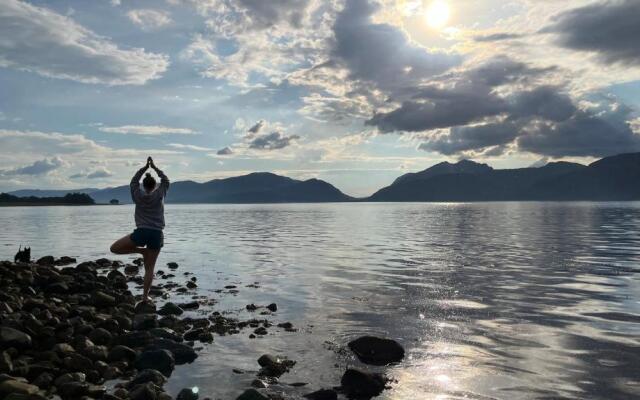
<point x="98" y="173"/>
<point x="149" y="19"/>
<point x="40" y="167"/>
<point x="611" y="29"/>
<point x="467" y="96"/>
<point x="257" y="127"/>
<point x="464" y="138"/>
<point x="224" y="151"/>
<point x="272" y="141"/>
<point x="230" y="17"/>
<point x="497" y="37"/>
<point x="39" y="40"/>
<point x="188" y="147"/>
<point x="585" y="134"/>
<point x="146" y="130"/>
<point x="380" y="53"/>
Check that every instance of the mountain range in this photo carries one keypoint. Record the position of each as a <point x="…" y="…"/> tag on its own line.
<point x="611" y="178"/>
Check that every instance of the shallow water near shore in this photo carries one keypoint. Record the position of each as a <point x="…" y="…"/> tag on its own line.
<point x="490" y="300"/>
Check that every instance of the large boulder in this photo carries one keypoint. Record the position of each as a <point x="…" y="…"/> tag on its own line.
<point x="358" y="384"/>
<point x="121" y="353"/>
<point x="162" y="360"/>
<point x="145" y="322"/>
<point x="377" y="351"/>
<point x="103" y="300"/>
<point x="10" y="337"/>
<point x="182" y="353"/>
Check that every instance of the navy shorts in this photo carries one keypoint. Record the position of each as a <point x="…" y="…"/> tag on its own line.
<point x="152" y="238"/>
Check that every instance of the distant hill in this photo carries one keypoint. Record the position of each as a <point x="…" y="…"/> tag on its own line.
<point x="49" y="193"/>
<point x="259" y="187"/>
<point x="611" y="178"/>
<point x="615" y="178"/>
<point x="67" y="199"/>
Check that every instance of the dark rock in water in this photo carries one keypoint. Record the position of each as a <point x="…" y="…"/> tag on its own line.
<point x="259" y="383"/>
<point x="114" y="275"/>
<point x="172" y="265"/>
<point x="65" y="260"/>
<point x="187" y="394"/>
<point x="191" y="285"/>
<point x="260" y="331"/>
<point x="194" y="334"/>
<point x="206" y="337"/>
<point x="145" y="307"/>
<point x="166" y="333"/>
<point x="145" y="321"/>
<point x="131" y="269"/>
<point x="322" y="394"/>
<point x="103" y="300"/>
<point x="96" y="353"/>
<point x="377" y="351"/>
<point x="272" y="307"/>
<point x="10" y="337"/>
<point x="358" y="384"/>
<point x="251" y="307"/>
<point x="148" y="375"/>
<point x="46" y="260"/>
<point x="120" y="353"/>
<point x="192" y="305"/>
<point x="252" y="394"/>
<point x="162" y="360"/>
<point x="170" y="309"/>
<point x="182" y="353"/>
<point x="273" y="366"/>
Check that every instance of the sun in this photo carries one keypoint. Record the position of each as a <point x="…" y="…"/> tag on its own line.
<point x="437" y="14"/>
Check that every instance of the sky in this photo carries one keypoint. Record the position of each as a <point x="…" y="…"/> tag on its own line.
<point x="354" y="92"/>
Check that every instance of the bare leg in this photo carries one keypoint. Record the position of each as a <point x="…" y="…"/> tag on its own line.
<point x="150" y="258"/>
<point x="125" y="245"/>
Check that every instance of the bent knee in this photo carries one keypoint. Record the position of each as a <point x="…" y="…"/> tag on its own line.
<point x="115" y="249"/>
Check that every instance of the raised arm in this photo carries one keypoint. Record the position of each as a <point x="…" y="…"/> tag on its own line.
<point x="164" y="181"/>
<point x="135" y="183"/>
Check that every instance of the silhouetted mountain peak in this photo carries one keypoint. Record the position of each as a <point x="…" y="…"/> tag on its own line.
<point x="445" y="168"/>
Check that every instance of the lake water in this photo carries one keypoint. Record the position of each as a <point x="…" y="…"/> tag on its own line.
<point x="490" y="300"/>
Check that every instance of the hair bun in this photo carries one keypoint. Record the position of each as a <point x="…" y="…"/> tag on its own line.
<point x="148" y="175"/>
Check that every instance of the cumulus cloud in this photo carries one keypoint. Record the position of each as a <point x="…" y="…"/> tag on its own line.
<point x="610" y="28"/>
<point x="224" y="151"/>
<point x="468" y="96"/>
<point x="39" y="40"/>
<point x="39" y="167"/>
<point x="380" y="53"/>
<point x="230" y="17"/>
<point x="272" y="141"/>
<point x="147" y="130"/>
<point x="188" y="147"/>
<point x="149" y="19"/>
<point x="98" y="173"/>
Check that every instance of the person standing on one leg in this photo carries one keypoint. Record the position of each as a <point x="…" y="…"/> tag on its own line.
<point x="147" y="239"/>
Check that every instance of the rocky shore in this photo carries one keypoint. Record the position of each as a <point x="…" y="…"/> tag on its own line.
<point x="76" y="331"/>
